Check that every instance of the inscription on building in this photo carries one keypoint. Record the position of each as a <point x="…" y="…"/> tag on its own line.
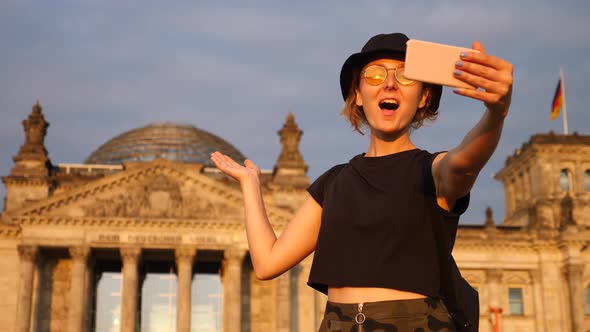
<point x="152" y="238"/>
<point x="108" y="238"/>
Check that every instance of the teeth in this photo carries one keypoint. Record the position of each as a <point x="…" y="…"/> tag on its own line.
<point x="390" y="101"/>
<point x="389" y="104"/>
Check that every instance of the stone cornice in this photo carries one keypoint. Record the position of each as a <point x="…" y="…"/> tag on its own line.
<point x="517" y="235"/>
<point x="531" y="245"/>
<point x="552" y="138"/>
<point x="9" y="231"/>
<point x="26" y="180"/>
<point x="514" y="239"/>
<point x="580" y="237"/>
<point x="137" y="223"/>
<point x="496" y="245"/>
<point x="494" y="234"/>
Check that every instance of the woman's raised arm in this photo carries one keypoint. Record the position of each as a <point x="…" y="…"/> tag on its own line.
<point x="271" y="256"/>
<point x="455" y="172"/>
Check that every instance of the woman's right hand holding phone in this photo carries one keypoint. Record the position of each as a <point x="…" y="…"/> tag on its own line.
<point x="492" y="77"/>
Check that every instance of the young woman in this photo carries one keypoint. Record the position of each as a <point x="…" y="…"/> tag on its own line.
<point x="370" y="220"/>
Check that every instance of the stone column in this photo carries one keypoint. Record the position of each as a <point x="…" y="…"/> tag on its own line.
<point x="28" y="257"/>
<point x="518" y="191"/>
<point x="320" y="308"/>
<point x="77" y="309"/>
<point x="527" y="184"/>
<point x="494" y="280"/>
<point x="89" y="293"/>
<point x="537" y="277"/>
<point x="284" y="302"/>
<point x="552" y="285"/>
<point x="184" y="266"/>
<point x="130" y="257"/>
<point x="509" y="199"/>
<point x="574" y="274"/>
<point x="232" y="277"/>
<point x="306" y="298"/>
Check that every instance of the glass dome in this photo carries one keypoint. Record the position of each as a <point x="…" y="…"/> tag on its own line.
<point x="177" y="142"/>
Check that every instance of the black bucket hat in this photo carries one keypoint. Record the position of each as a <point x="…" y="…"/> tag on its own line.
<point x="389" y="45"/>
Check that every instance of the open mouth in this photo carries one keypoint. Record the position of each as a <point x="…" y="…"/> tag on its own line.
<point x="389" y="104"/>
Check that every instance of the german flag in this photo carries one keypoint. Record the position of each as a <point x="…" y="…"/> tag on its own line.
<point x="557" y="101"/>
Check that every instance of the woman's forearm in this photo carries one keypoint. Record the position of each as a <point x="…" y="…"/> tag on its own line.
<point x="270" y="255"/>
<point x="261" y="236"/>
<point x="492" y="78"/>
<point x="478" y="145"/>
<point x="458" y="169"/>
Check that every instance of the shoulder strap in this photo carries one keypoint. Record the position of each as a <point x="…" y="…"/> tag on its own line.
<point x="456" y="293"/>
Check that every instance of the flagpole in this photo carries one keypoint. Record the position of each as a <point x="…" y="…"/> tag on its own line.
<point x="565" y="129"/>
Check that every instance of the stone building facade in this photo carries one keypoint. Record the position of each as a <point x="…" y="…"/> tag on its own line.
<point x="149" y="203"/>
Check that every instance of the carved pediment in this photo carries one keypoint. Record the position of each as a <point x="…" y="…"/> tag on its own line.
<point x="157" y="196"/>
<point x="160" y="189"/>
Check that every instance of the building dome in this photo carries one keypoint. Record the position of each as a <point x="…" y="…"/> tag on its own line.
<point x="177" y="142"/>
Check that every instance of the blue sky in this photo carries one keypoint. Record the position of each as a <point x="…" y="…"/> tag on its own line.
<point x="236" y="69"/>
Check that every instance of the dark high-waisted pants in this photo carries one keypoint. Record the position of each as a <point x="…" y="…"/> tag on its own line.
<point x="420" y="315"/>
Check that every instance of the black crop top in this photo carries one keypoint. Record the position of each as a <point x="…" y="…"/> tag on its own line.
<point x="376" y="228"/>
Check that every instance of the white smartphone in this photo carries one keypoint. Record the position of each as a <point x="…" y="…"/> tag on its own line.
<point x="434" y="63"/>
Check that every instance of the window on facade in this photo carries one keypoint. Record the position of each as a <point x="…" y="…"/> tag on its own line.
<point x="107" y="302"/>
<point x="564" y="179"/>
<point x="587" y="300"/>
<point x="207" y="299"/>
<point x="158" y="297"/>
<point x="515" y="302"/>
<point x="587" y="180"/>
